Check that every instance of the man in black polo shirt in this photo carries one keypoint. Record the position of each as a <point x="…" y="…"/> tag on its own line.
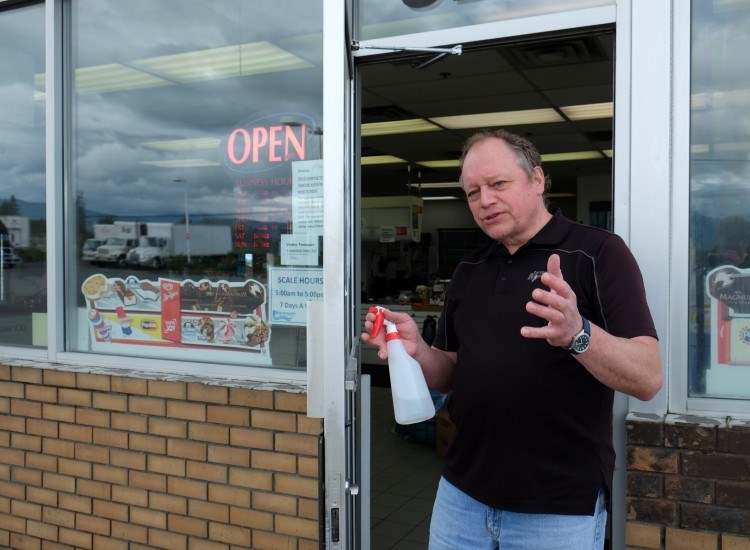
<point x="538" y="331"/>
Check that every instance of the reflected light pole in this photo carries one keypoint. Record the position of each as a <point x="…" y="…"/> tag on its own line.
<point x="187" y="216"/>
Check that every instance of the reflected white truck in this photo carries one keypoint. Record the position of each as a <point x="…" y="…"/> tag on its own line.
<point x="165" y="240"/>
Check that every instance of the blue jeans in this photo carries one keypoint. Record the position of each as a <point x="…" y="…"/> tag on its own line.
<point x="460" y="522"/>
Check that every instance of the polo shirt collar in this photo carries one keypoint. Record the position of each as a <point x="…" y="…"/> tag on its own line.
<point x="554" y="232"/>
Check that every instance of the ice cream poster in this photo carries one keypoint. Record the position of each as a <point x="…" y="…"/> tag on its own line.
<point x="211" y="315"/>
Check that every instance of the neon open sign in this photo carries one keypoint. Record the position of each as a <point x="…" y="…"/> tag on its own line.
<point x="266" y="143"/>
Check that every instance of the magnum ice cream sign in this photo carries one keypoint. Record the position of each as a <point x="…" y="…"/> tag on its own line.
<point x="265" y="144"/>
<point x="729" y="288"/>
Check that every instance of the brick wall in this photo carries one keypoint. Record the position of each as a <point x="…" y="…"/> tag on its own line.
<point x="688" y="484"/>
<point x="102" y="461"/>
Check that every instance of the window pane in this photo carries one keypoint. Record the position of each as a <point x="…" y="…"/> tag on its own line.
<point x="378" y="19"/>
<point x="719" y="330"/>
<point x="195" y="171"/>
<point x="23" y="266"/>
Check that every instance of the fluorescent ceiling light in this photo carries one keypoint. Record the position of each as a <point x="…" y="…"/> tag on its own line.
<point x="439" y="163"/>
<point x="607" y="153"/>
<point x="113" y="77"/>
<point x="184" y="144"/>
<point x="380" y="159"/>
<point x="397" y="127"/>
<point x="441" y="198"/>
<point x="576" y="155"/>
<point x="446" y="185"/>
<point x="560" y="195"/>
<point x="508" y="118"/>
<point x="181" y="163"/>
<point x="699" y="148"/>
<point x="590" y="111"/>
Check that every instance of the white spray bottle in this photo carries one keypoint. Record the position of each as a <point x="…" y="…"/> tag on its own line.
<point x="412" y="402"/>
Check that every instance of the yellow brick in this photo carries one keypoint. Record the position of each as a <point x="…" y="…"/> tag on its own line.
<point x="75" y="503"/>
<point x="110" y="474"/>
<point x="110" y="510"/>
<point x="272" y="420"/>
<point x="148" y="517"/>
<point x="168" y="503"/>
<point x="130" y="495"/>
<point x="41" y="530"/>
<point x="207" y="394"/>
<point x="79" y="398"/>
<point x="278" y="504"/>
<point x="148" y="443"/>
<point x="4" y="372"/>
<point x="92" y="417"/>
<point x="206" y="472"/>
<point x="643" y="535"/>
<point x="228" y="455"/>
<point x="284" y="401"/>
<point x="208" y="510"/>
<point x="735" y="542"/>
<point x="252" y="479"/>
<point x="92" y="453"/>
<point x="72" y="432"/>
<point x="90" y="381"/>
<point x="168" y="428"/>
<point x="200" y="544"/>
<point x="41" y="496"/>
<point x="110" y="438"/>
<point x="28" y="375"/>
<point x="166" y="540"/>
<point x="188" y="488"/>
<point x="58" y="447"/>
<point x="76" y="538"/>
<point x="230" y="534"/>
<point x="45" y="394"/>
<point x="92" y="524"/>
<point x="95" y="489"/>
<point x="274" y="461"/>
<point x="26" y="510"/>
<point x="13" y="457"/>
<point x="59" y="378"/>
<point x="58" y="412"/>
<point x="108" y="543"/>
<point x="186" y="411"/>
<point x="166" y="465"/>
<point x="61" y="518"/>
<point x="109" y="401"/>
<point x="12" y="423"/>
<point x="147" y="405"/>
<point x="128" y="531"/>
<point x="235" y="496"/>
<point x="208" y="432"/>
<point x="127" y="459"/>
<point x="186" y="449"/>
<point x="168" y="389"/>
<point x="682" y="539"/>
<point x="75" y="468"/>
<point x="187" y="525"/>
<point x="12" y="523"/>
<point x="297" y="527"/>
<point x="255" y="519"/>
<point x="307" y="467"/>
<point x="264" y="540"/>
<point x="308" y="508"/>
<point x="26" y="442"/>
<point x="297" y="444"/>
<point x="307" y="425"/>
<point x="130" y="422"/>
<point x="236" y="416"/>
<point x="298" y="486"/>
<point x="149" y="481"/>
<point x="45" y="428"/>
<point x="57" y="482"/>
<point x="11" y="389"/>
<point x="255" y="439"/>
<point x="255" y="399"/>
<point x="126" y="384"/>
<point x="29" y="409"/>
<point x="27" y="477"/>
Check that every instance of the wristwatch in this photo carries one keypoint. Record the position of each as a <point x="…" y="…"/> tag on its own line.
<point x="581" y="340"/>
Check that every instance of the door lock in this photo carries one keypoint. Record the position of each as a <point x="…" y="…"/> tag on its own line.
<point x="351" y="488"/>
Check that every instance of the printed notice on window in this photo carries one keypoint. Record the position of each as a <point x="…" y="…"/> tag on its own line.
<point x="307" y="197"/>
<point x="290" y="291"/>
<point x="299" y="250"/>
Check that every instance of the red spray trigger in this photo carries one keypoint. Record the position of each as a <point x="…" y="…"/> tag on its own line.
<point x="379" y="319"/>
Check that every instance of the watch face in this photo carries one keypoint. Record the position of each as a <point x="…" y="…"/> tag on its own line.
<point x="581" y="343"/>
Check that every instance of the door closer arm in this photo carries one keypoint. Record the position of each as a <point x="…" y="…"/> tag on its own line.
<point x="455" y="50"/>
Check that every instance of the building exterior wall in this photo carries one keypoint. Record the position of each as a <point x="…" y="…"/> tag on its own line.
<point x="688" y="484"/>
<point x="108" y="461"/>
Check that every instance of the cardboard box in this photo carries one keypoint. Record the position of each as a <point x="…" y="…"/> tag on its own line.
<point x="445" y="431"/>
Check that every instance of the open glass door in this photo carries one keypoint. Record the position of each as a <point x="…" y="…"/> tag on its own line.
<point x="342" y="398"/>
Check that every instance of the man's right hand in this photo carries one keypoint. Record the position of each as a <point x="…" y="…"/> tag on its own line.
<point x="406" y="326"/>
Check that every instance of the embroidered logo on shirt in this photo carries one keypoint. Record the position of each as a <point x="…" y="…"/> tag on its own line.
<point x="535" y="275"/>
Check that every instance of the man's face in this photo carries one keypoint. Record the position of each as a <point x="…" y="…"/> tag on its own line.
<point x="506" y="202"/>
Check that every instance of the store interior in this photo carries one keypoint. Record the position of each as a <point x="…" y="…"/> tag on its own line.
<point x="416" y="111"/>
